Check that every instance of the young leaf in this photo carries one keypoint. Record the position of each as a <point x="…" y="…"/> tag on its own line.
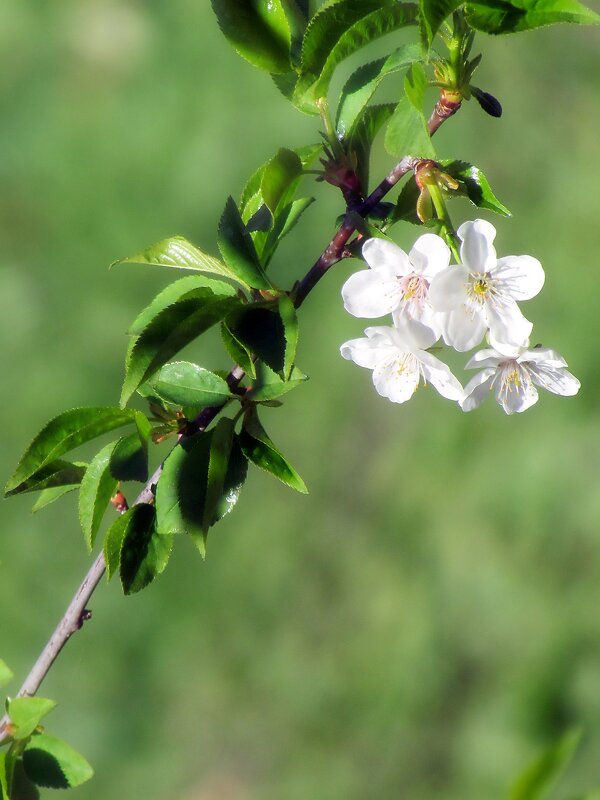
<point x="285" y="222"/>
<point x="258" y="448"/>
<point x="237" y="350"/>
<point x="144" y="552"/>
<point x="237" y="248"/>
<point x="53" y="763"/>
<point x="337" y="32"/>
<point x="6" y="674"/>
<point x="258" y="31"/>
<point x="539" y="777"/>
<point x="431" y="15"/>
<point x="178" y="253"/>
<point x="64" y="433"/>
<point x="268" y="385"/>
<point x="363" y="134"/>
<point x="510" y="16"/>
<point x="474" y="185"/>
<point x="48" y="496"/>
<point x="281" y="173"/>
<point x="407" y="132"/>
<point x="187" y="384"/>
<point x="97" y="487"/>
<point x="218" y="461"/>
<point x="363" y="83"/>
<point x="25" y="714"/>
<point x="169" y="331"/>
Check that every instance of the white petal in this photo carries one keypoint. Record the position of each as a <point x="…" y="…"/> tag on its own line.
<point x="397" y="378"/>
<point x="543" y="356"/>
<point x="477" y="251"/>
<point x="557" y="381"/>
<point x="369" y="294"/>
<point x="522" y="277"/>
<point x="412" y="335"/>
<point x="380" y="254"/>
<point x="506" y="323"/>
<point x="517" y="396"/>
<point x="448" y="289"/>
<point x="430" y="254"/>
<point x="425" y="315"/>
<point x="476" y="389"/>
<point x="439" y="376"/>
<point x="464" y="328"/>
<point x="385" y="332"/>
<point x="364" y="352"/>
<point x="488" y="357"/>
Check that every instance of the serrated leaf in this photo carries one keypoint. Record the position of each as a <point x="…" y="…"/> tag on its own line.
<point x="407" y="133"/>
<point x="338" y="31"/>
<point x="187" y="384"/>
<point x="48" y="496"/>
<point x="258" y="448"/>
<point x="64" y="433"/>
<point x="177" y="253"/>
<point x="50" y="762"/>
<point x="364" y="82"/>
<point x="258" y="30"/>
<point x="363" y="134"/>
<point x="474" y="185"/>
<point x="281" y="172"/>
<point x="237" y="248"/>
<point x="261" y="330"/>
<point x="57" y="473"/>
<point x="287" y="312"/>
<point x="169" y="331"/>
<point x="97" y="487"/>
<point x="415" y="85"/>
<point x="286" y="220"/>
<point x="504" y="16"/>
<point x="6" y="674"/>
<point x="268" y="385"/>
<point x="237" y="350"/>
<point x="25" y="714"/>
<point x="432" y="14"/>
<point x="144" y="553"/>
<point x="220" y="449"/>
<point x="540" y="777"/>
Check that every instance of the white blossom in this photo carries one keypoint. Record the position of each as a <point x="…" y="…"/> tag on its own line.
<point x="398" y="358"/>
<point x="396" y="282"/>
<point x="481" y="293"/>
<point x="513" y="378"/>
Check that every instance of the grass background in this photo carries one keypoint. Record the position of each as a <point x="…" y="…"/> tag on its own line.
<point x="427" y="618"/>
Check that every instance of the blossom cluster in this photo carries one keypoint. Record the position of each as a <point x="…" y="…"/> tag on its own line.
<point x="429" y="298"/>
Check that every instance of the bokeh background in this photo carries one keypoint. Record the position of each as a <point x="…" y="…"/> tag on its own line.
<point x="428" y="618"/>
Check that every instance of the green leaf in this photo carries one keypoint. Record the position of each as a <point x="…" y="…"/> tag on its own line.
<point x="48" y="496"/>
<point x="178" y="253"/>
<point x="269" y="330"/>
<point x="268" y="385"/>
<point x="62" y="434"/>
<point x="338" y="31"/>
<point x="53" y="763"/>
<point x="3" y="778"/>
<point x="258" y="30"/>
<point x="504" y="16"/>
<point x="407" y="133"/>
<point x="287" y="312"/>
<point x="539" y="777"/>
<point x="474" y="185"/>
<point x="97" y="487"/>
<point x="129" y="459"/>
<point x="25" y="714"/>
<point x="169" y="331"/>
<point x="431" y="15"/>
<point x="287" y="218"/>
<point x="237" y="350"/>
<point x="6" y="674"/>
<point x="220" y="450"/>
<point x="181" y="493"/>
<point x="363" y="134"/>
<point x="56" y="473"/>
<point x="237" y="248"/>
<point x="258" y="448"/>
<point x="144" y="553"/>
<point x="281" y="172"/>
<point x="187" y="384"/>
<point x="363" y="83"/>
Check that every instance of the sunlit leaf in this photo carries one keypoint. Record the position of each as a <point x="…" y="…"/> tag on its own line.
<point x="97" y="487"/>
<point x="49" y="496"/>
<point x="363" y="134"/>
<point x="6" y="674"/>
<point x="407" y="133"/>
<point x="238" y="351"/>
<point x="269" y="386"/>
<point x="474" y="185"/>
<point x="431" y="16"/>
<point x="53" y="763"/>
<point x="258" y="448"/>
<point x="187" y="384"/>
<point x="58" y="473"/>
<point x="506" y="16"/>
<point x="237" y="248"/>
<point x="25" y="714"/>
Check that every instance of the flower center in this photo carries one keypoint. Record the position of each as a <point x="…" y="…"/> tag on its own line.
<point x="481" y="287"/>
<point x="514" y="377"/>
<point x="414" y="288"/>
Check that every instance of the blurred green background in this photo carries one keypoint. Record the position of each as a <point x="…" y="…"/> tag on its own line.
<point x="428" y="618"/>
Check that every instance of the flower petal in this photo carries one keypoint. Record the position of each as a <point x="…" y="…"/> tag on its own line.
<point x="488" y="357"/>
<point x="439" y="376"/>
<point x="464" y="328"/>
<point x="424" y="315"/>
<point x="365" y="352"/>
<point x="448" y="289"/>
<point x="430" y="254"/>
<point x="522" y="277"/>
<point x="543" y="356"/>
<point x="397" y="378"/>
<point x="368" y="293"/>
<point x="411" y="335"/>
<point x="383" y="255"/>
<point x="557" y="381"/>
<point x="477" y="251"/>
<point x="506" y="323"/>
<point x="515" y="396"/>
<point x="476" y="389"/>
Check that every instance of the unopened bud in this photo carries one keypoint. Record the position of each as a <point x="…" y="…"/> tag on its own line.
<point x="488" y="102"/>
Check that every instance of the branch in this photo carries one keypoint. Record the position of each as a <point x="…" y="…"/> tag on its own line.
<point x="76" y="613"/>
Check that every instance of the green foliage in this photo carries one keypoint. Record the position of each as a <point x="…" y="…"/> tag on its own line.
<point x="97" y="487"/>
<point x="187" y="384"/>
<point x="407" y="132"/>
<point x="540" y="777"/>
<point x="52" y="763"/>
<point x="258" y="30"/>
<point x="432" y="14"/>
<point x="6" y="674"/>
<point x="258" y="448"/>
<point x="26" y="713"/>
<point x="237" y="248"/>
<point x="269" y="386"/>
<point x="48" y="496"/>
<point x="363" y="133"/>
<point x="129" y="459"/>
<point x="511" y="16"/>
